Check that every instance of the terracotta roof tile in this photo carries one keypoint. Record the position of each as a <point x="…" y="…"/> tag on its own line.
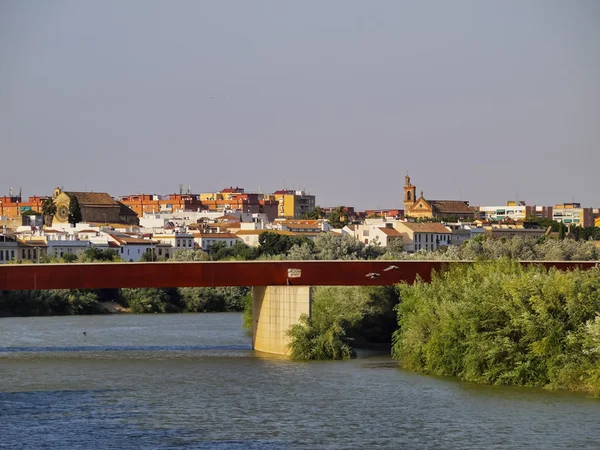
<point x="450" y="206"/>
<point x="93" y="198"/>
<point x="390" y="231"/>
<point x="427" y="227"/>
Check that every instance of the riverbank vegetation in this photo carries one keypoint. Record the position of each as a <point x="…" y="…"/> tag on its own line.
<point x="342" y="318"/>
<point x="498" y="322"/>
<point x="151" y="300"/>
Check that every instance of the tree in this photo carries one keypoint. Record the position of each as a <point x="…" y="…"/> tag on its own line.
<point x="561" y="231"/>
<point x="190" y="255"/>
<point x="48" y="210"/>
<point x="315" y="214"/>
<point x="74" y="211"/>
<point x="339" y="217"/>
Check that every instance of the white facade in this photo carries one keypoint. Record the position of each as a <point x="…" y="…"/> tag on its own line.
<point x="206" y="240"/>
<point x="423" y="236"/>
<point x="60" y="244"/>
<point x="9" y="249"/>
<point x="376" y="234"/>
<point x="498" y="213"/>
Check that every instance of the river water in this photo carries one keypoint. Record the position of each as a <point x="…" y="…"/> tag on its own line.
<point x="193" y="381"/>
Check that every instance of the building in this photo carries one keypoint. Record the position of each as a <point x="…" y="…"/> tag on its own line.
<point x="510" y="231"/>
<point x="513" y="210"/>
<point x="12" y="205"/>
<point x="9" y="248"/>
<point x="433" y="209"/>
<point x="95" y="207"/>
<point x="380" y="234"/>
<point x="393" y="214"/>
<point x="462" y="232"/>
<point x="423" y="236"/>
<point x="205" y="241"/>
<point x="292" y="204"/>
<point x="131" y="248"/>
<point x="150" y="203"/>
<point x="61" y="243"/>
<point x="573" y="214"/>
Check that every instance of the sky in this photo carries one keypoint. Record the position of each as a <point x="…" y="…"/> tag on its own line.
<point x="477" y="100"/>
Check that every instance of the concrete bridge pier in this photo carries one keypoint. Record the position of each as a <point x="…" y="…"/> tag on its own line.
<point x="274" y="310"/>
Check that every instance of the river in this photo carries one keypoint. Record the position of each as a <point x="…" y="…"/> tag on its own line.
<point x="193" y="381"/>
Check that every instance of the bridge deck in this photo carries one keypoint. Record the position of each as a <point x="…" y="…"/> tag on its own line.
<point x="230" y="273"/>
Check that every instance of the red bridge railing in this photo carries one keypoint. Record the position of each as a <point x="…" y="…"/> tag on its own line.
<point x="230" y="273"/>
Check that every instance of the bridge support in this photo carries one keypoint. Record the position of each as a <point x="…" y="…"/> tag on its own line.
<point x="274" y="310"/>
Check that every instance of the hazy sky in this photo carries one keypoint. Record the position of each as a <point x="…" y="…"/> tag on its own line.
<point x="483" y="99"/>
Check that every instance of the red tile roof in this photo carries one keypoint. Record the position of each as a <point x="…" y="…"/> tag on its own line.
<point x="390" y="231"/>
<point x="93" y="198"/>
<point x="427" y="227"/>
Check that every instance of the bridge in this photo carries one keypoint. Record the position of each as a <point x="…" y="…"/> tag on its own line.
<point x="281" y="290"/>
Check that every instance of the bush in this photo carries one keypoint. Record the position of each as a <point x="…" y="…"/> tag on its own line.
<point x="341" y="315"/>
<point x="145" y="300"/>
<point x="49" y="302"/>
<point x="502" y="323"/>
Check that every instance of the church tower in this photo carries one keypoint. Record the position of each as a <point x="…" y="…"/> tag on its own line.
<point x="410" y="192"/>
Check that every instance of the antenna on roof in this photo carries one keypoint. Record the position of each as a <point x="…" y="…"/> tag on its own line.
<point x="10" y="191"/>
<point x="180" y="189"/>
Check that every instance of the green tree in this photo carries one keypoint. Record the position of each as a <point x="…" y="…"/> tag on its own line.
<point x="316" y="213"/>
<point x="561" y="231"/>
<point x="94" y="254"/>
<point x="48" y="210"/>
<point x="74" y="211"/>
<point x="339" y="217"/>
<point x="190" y="255"/>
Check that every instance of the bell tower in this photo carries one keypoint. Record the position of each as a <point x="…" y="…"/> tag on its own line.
<point x="410" y="192"/>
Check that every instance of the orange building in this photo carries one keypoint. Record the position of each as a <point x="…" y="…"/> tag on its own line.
<point x="227" y="199"/>
<point x="12" y="206"/>
<point x="146" y="203"/>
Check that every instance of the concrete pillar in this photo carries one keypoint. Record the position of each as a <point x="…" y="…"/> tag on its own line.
<point x="274" y="310"/>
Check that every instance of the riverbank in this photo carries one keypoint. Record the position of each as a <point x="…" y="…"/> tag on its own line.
<point x="497" y="322"/>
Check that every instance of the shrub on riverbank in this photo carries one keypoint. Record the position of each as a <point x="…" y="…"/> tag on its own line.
<point x="498" y="322"/>
<point x="48" y="303"/>
<point x="342" y="316"/>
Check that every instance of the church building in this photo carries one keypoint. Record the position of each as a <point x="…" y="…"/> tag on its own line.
<point x="95" y="207"/>
<point x="433" y="209"/>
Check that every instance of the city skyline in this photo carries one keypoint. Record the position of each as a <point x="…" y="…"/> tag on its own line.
<point x="479" y="101"/>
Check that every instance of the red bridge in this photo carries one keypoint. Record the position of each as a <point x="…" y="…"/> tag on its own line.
<point x="251" y="273"/>
<point x="281" y="290"/>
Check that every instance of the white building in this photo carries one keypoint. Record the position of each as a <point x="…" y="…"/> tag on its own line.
<point x="9" y="248"/>
<point x="423" y="236"/>
<point x="133" y="248"/>
<point x="63" y="243"/>
<point x="377" y="234"/>
<point x="573" y="214"/>
<point x="206" y="240"/>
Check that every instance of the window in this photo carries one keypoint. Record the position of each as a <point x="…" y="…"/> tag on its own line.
<point x="184" y="242"/>
<point x="160" y="252"/>
<point x="12" y="254"/>
<point x="127" y="252"/>
<point x="122" y="250"/>
<point x="1" y="256"/>
<point x="189" y="242"/>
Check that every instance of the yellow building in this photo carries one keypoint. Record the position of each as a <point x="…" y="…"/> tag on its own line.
<point x="421" y="208"/>
<point x="292" y="204"/>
